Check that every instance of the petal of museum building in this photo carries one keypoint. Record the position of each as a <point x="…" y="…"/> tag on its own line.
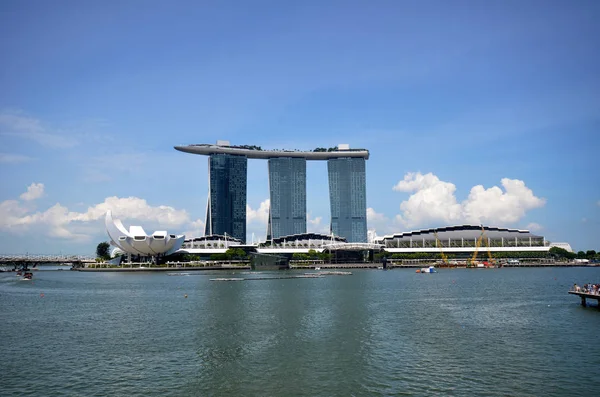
<point x="286" y="235"/>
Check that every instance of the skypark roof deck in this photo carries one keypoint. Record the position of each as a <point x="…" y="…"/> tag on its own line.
<point x="252" y="152"/>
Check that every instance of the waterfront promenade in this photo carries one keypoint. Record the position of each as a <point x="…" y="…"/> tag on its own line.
<point x="588" y="291"/>
<point x="243" y="265"/>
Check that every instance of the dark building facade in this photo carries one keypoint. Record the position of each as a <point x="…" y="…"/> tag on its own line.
<point x="287" y="190"/>
<point x="226" y="209"/>
<point x="347" y="198"/>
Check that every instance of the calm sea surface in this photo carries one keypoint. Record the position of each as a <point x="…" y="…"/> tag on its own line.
<point x="460" y="332"/>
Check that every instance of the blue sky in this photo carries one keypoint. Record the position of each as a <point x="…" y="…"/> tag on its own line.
<point x="473" y="111"/>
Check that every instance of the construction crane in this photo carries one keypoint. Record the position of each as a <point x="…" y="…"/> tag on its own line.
<point x="439" y="244"/>
<point x="477" y="245"/>
<point x="480" y="240"/>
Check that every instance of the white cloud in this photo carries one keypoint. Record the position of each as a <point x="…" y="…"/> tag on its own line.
<point x="314" y="225"/>
<point x="34" y="191"/>
<point x="378" y="223"/>
<point x="534" y="227"/>
<point x="494" y="205"/>
<point x="11" y="212"/>
<point x="19" y="125"/>
<point x="196" y="229"/>
<point x="434" y="201"/>
<point x="57" y="221"/>
<point x="10" y="158"/>
<point x="373" y="216"/>
<point x="260" y="215"/>
<point x="256" y="221"/>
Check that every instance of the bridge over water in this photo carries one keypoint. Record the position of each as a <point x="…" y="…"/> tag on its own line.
<point x="29" y="260"/>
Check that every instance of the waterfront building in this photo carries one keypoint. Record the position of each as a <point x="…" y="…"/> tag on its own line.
<point x="287" y="193"/>
<point x="137" y="242"/>
<point x="226" y="207"/>
<point x="287" y="189"/>
<point x="464" y="240"/>
<point x="347" y="198"/>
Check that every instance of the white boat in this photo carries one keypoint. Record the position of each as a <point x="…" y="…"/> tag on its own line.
<point x="430" y="269"/>
<point x="317" y="268"/>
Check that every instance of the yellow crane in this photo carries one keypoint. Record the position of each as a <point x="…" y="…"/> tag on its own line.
<point x="439" y="244"/>
<point x="480" y="240"/>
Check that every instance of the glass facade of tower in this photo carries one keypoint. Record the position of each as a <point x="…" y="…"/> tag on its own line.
<point x="226" y="209"/>
<point x="287" y="186"/>
<point x="347" y="198"/>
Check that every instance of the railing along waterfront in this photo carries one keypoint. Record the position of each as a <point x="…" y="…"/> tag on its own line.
<point x="43" y="258"/>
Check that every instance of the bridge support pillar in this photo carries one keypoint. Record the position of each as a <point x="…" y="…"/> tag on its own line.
<point x="583" y="303"/>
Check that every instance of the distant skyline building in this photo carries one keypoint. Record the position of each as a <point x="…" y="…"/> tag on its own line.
<point x="226" y="207"/>
<point x="287" y="193"/>
<point x="348" y="198"/>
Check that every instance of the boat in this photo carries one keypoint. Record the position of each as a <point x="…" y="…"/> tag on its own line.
<point x="430" y="269"/>
<point x="317" y="268"/>
<point x="27" y="276"/>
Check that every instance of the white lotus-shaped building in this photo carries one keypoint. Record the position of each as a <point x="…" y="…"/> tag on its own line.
<point x="136" y="241"/>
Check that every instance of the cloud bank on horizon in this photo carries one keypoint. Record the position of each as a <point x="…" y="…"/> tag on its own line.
<point x="431" y="202"/>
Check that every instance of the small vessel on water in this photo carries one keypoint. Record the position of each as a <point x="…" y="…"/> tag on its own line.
<point x="430" y="269"/>
<point x="27" y="276"/>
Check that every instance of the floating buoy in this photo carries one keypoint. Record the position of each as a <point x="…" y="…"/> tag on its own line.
<point x="185" y="296"/>
<point x="42" y="295"/>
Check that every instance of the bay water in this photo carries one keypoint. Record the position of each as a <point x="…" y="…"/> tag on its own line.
<point x="458" y="332"/>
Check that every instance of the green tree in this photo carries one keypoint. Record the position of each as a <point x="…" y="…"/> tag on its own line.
<point x="561" y="253"/>
<point x="102" y="250"/>
<point x="590" y="254"/>
<point x="235" y="253"/>
<point x="218" y="257"/>
<point x="299" y="256"/>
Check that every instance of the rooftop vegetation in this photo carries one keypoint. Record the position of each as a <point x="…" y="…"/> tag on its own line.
<point x="248" y="147"/>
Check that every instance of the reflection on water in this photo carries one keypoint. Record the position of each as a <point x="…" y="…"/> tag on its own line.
<point x="457" y="332"/>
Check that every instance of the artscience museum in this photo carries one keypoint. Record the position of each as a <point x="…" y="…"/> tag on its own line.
<point x="135" y="240"/>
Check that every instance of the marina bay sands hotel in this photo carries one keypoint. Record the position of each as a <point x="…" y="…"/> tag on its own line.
<point x="227" y="167"/>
